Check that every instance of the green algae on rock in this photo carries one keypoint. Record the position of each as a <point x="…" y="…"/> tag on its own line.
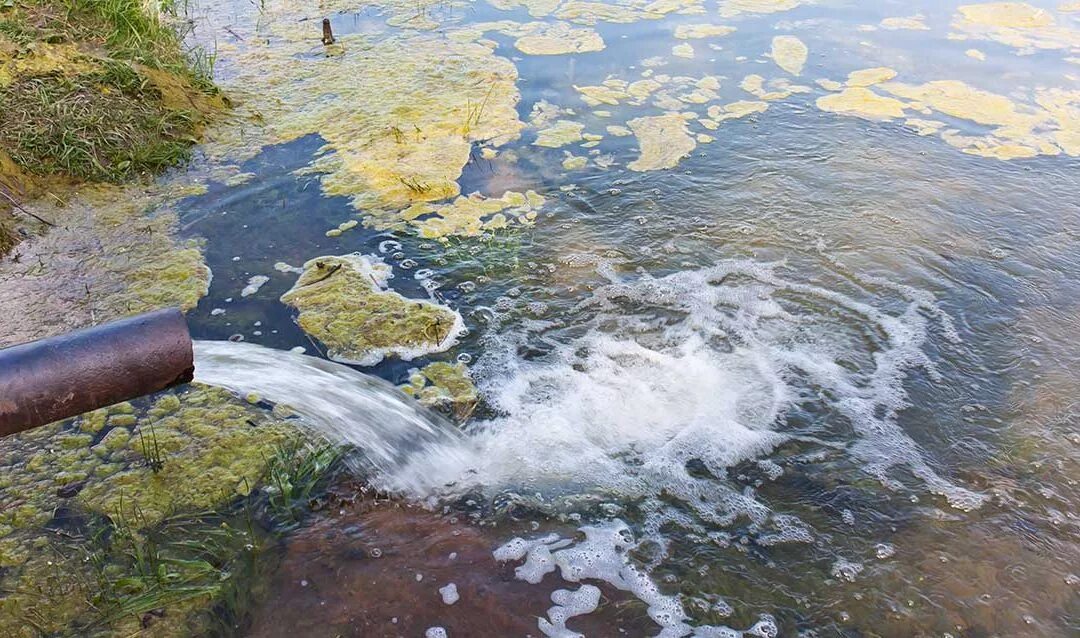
<point x="343" y="302"/>
<point x="444" y="386"/>
<point x="212" y="448"/>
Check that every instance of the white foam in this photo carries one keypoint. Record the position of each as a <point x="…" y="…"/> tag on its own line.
<point x="568" y="604"/>
<point x="435" y="632"/>
<point x="253" y="285"/>
<point x="602" y="556"/>
<point x="449" y="594"/>
<point x="696" y="366"/>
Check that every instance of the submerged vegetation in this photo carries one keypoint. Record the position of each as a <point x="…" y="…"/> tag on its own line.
<point x="105" y="527"/>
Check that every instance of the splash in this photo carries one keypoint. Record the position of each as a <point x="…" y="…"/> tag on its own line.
<point x="697" y="367"/>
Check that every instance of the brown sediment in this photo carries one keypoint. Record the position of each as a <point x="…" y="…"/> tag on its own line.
<point x="375" y="571"/>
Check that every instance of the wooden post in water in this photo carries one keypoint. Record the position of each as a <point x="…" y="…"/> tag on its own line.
<point x="327" y="32"/>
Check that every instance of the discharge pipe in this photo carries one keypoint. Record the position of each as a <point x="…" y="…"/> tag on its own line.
<point x="63" y="376"/>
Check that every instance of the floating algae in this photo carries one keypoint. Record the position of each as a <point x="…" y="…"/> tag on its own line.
<point x="736" y="110"/>
<point x="1016" y="24"/>
<point x="561" y="133"/>
<point x="870" y="77"/>
<point x="558" y="39"/>
<point x="684" y="50"/>
<point x="536" y="38"/>
<point x="699" y="31"/>
<point x="664" y="141"/>
<point x="469" y="216"/>
<point x="426" y="100"/>
<point x="574" y="162"/>
<point x="777" y="89"/>
<point x="862" y="102"/>
<point x="624" y="11"/>
<point x="731" y="8"/>
<point x="789" y="53"/>
<point x="1049" y="126"/>
<point x="112" y="253"/>
<point x="343" y="303"/>
<point x="536" y="8"/>
<point x="913" y="23"/>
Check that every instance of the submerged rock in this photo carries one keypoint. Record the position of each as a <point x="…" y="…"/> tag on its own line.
<point x="445" y="386"/>
<point x="343" y="303"/>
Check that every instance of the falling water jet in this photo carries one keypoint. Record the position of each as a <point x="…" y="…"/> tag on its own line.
<point x="342" y="404"/>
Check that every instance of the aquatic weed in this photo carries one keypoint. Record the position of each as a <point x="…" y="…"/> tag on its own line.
<point x="295" y="474"/>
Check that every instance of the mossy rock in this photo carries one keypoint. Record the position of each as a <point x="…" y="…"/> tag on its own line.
<point x="444" y="386"/>
<point x="343" y="303"/>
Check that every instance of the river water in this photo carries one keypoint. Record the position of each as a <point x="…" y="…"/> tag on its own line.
<point x="817" y="378"/>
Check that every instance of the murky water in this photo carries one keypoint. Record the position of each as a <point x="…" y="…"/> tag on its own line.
<point x="815" y="379"/>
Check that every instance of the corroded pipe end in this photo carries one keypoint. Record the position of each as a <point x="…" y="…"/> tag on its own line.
<point x="59" y="377"/>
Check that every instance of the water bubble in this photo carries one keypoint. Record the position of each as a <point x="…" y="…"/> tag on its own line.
<point x="408" y="264"/>
<point x="375" y="552"/>
<point x="464" y="358"/>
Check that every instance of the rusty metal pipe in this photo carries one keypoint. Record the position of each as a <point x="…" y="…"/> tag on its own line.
<point x="59" y="377"/>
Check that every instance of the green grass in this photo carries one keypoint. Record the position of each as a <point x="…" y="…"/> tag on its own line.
<point x="109" y="125"/>
<point x="106" y="126"/>
<point x="154" y="38"/>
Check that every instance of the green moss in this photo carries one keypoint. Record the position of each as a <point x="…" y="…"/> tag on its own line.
<point x="215" y="449"/>
<point x="93" y="421"/>
<point x="444" y="386"/>
<point x="8" y="234"/>
<point x="123" y="420"/>
<point x="75" y="441"/>
<point x="342" y="303"/>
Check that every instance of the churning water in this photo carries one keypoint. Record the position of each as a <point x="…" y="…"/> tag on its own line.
<point x="662" y="386"/>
